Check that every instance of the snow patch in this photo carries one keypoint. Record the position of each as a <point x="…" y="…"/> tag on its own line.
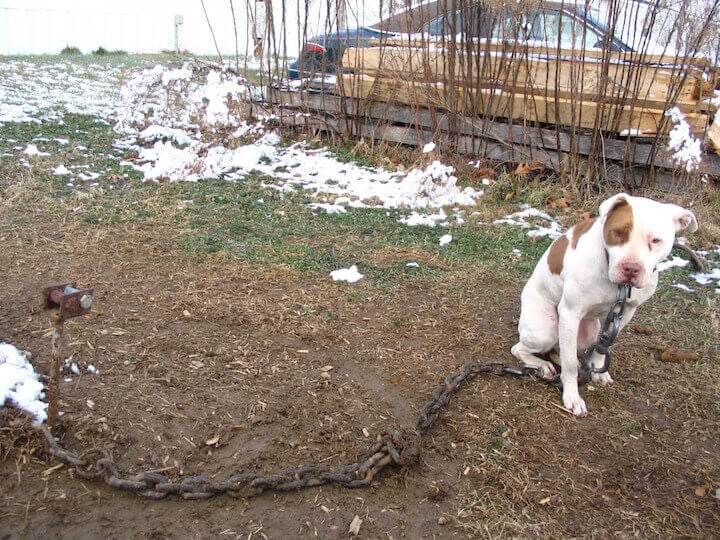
<point x="686" y="148"/>
<point x="521" y="219"/>
<point x="351" y="275"/>
<point x="19" y="383"/>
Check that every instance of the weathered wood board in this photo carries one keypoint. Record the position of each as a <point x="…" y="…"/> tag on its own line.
<point x="492" y="139"/>
<point x="615" y="96"/>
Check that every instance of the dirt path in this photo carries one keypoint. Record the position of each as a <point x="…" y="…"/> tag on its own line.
<point x="189" y="351"/>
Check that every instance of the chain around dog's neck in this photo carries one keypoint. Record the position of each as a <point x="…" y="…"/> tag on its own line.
<point x="609" y="331"/>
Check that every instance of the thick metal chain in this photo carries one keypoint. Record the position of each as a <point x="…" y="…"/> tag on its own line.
<point x="399" y="448"/>
<point x="609" y="332"/>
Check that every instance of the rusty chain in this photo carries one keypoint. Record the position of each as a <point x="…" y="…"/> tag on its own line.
<point x="399" y="448"/>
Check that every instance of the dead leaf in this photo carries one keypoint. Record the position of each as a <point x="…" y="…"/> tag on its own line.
<point x="526" y="168"/>
<point x="644" y="330"/>
<point x="674" y="355"/>
<point x="701" y="491"/>
<point x="558" y="202"/>
<point x="327" y="368"/>
<point x="478" y="175"/>
<point x="545" y="501"/>
<point x="355" y="526"/>
<point x="509" y="195"/>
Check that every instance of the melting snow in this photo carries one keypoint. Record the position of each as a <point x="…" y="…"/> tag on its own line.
<point x="686" y="148"/>
<point x="445" y="239"/>
<point x="20" y="384"/>
<point x="429" y="220"/>
<point x="671" y="263"/>
<point x="351" y="275"/>
<point x="32" y="150"/>
<point x="521" y="219"/>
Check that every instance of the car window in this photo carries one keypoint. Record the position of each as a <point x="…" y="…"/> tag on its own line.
<point x="548" y="25"/>
<point x="543" y="26"/>
<point x="472" y="22"/>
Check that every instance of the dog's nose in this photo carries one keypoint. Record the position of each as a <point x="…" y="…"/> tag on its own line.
<point x="630" y="269"/>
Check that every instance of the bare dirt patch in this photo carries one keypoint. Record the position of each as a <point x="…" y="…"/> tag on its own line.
<point x="190" y="350"/>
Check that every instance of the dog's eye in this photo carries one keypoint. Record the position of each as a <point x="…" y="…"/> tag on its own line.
<point x="656" y="241"/>
<point x="619" y="234"/>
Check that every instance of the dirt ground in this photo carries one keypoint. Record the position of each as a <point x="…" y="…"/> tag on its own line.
<point x="189" y="351"/>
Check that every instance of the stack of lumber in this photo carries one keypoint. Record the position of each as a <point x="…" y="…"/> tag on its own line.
<point x="619" y="93"/>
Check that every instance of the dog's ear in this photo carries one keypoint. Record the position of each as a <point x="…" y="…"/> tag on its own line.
<point x="683" y="218"/>
<point x="607" y="205"/>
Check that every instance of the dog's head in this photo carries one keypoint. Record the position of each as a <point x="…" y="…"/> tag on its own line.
<point x="638" y="233"/>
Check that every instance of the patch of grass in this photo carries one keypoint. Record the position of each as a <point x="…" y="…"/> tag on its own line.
<point x="498" y="442"/>
<point x="245" y="221"/>
<point x="102" y="51"/>
<point x="83" y="145"/>
<point x="69" y="50"/>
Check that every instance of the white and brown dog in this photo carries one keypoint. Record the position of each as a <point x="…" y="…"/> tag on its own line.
<point x="576" y="282"/>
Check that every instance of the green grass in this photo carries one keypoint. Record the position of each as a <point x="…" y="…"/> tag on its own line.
<point x="245" y="221"/>
<point x="255" y="224"/>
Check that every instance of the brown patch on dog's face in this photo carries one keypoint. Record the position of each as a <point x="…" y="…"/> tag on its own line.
<point x="580" y="229"/>
<point x="557" y="254"/>
<point x="619" y="224"/>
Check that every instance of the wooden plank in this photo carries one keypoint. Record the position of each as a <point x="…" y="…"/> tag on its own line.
<point x="412" y="136"/>
<point x="498" y="140"/>
<point x="620" y="56"/>
<point x="547" y="110"/>
<point x="649" y="86"/>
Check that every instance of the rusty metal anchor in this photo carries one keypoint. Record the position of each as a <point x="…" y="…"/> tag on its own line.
<point x="62" y="302"/>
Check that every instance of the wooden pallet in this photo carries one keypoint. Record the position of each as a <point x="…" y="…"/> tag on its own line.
<point x="492" y="139"/>
<point x="615" y="94"/>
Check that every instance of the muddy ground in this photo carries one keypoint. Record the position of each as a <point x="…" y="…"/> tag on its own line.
<point x="209" y="366"/>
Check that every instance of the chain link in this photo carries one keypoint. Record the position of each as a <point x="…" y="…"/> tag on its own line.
<point x="608" y="333"/>
<point x="398" y="448"/>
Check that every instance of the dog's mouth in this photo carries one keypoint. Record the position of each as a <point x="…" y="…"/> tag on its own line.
<point x="636" y="281"/>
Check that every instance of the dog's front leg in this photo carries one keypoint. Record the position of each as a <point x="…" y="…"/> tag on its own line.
<point x="569" y="322"/>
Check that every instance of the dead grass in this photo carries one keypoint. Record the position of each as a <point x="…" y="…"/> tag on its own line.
<point x="194" y="345"/>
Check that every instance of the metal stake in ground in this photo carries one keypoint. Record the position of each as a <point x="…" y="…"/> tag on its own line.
<point x="61" y="302"/>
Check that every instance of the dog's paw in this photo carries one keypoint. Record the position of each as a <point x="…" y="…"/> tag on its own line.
<point x="545" y="369"/>
<point x="603" y="379"/>
<point x="575" y="403"/>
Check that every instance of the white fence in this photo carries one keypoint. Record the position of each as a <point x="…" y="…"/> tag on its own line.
<point x="136" y="26"/>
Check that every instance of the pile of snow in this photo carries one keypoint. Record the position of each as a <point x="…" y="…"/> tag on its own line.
<point x="180" y="97"/>
<point x="686" y="148"/>
<point x="164" y="113"/>
<point x="19" y="384"/>
<point x="299" y="165"/>
<point x="522" y="219"/>
<point x="32" y="150"/>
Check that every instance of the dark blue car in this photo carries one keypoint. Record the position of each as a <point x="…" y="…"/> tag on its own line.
<point x="322" y="54"/>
